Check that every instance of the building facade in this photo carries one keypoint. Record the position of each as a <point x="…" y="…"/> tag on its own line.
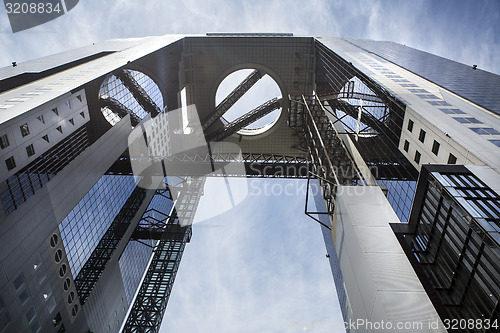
<point x="407" y="162"/>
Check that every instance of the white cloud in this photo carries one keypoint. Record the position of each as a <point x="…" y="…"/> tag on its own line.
<point x="261" y="268"/>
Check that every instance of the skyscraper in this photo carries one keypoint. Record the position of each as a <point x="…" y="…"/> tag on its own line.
<point x="97" y="144"/>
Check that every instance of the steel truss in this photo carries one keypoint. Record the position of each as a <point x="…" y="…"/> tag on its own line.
<point x="245" y="120"/>
<point x="95" y="265"/>
<point x="232" y="98"/>
<point x="330" y="161"/>
<point x="256" y="165"/>
<point x="120" y="109"/>
<point x="150" y="303"/>
<point x="172" y="232"/>
<point x="138" y="92"/>
<point x="366" y="117"/>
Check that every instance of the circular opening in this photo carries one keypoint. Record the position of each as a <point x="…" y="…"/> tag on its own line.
<point x="62" y="270"/>
<point x="54" y="239"/>
<point x="263" y="91"/>
<point x="66" y="284"/>
<point x="71" y="297"/>
<point x="117" y="100"/>
<point x="58" y="255"/>
<point x="74" y="310"/>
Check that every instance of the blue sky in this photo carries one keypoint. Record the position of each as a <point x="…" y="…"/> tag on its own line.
<point x="261" y="267"/>
<point x="466" y="31"/>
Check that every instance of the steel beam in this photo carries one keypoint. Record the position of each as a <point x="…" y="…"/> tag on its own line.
<point x="350" y="95"/>
<point x="366" y="118"/>
<point x="232" y="98"/>
<point x="245" y="120"/>
<point x="172" y="232"/>
<point x="256" y="165"/>
<point x="150" y="303"/>
<point x="120" y="109"/>
<point x="140" y="95"/>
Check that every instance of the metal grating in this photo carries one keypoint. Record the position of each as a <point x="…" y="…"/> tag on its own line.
<point x="23" y="184"/>
<point x="454" y="248"/>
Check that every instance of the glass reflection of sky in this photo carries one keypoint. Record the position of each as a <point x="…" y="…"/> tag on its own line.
<point x="85" y="225"/>
<point x="135" y="257"/>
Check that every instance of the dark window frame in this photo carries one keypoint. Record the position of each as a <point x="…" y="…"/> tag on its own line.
<point x="452" y="159"/>
<point x="417" y="157"/>
<point x="421" y="135"/>
<point x="25" y="129"/>
<point x="410" y="125"/>
<point x="30" y="150"/>
<point x="406" y="146"/>
<point x="11" y="163"/>
<point x="4" y="141"/>
<point x="435" y="147"/>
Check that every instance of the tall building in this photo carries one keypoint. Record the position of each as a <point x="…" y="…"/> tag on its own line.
<point x="98" y="143"/>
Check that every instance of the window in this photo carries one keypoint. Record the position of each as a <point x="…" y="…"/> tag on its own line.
<point x="71" y="297"/>
<point x="418" y="90"/>
<point x="408" y="85"/>
<point x="68" y="104"/>
<point x="11" y="163"/>
<point x="467" y="120"/>
<point x="485" y="130"/>
<point x="58" y="255"/>
<point x="427" y="96"/>
<point x="438" y="103"/>
<point x="55" y="111"/>
<point x="19" y="282"/>
<point x="45" y="137"/>
<point x="79" y="97"/>
<point x="67" y="284"/>
<point x="62" y="270"/>
<point x="54" y="239"/>
<point x="410" y="125"/>
<point x="36" y="327"/>
<point x="452" y="111"/>
<point x="30" y="150"/>
<point x="24" y="296"/>
<point x="59" y="128"/>
<point x="452" y="159"/>
<point x="495" y="142"/>
<point x="82" y="114"/>
<point x="31" y="314"/>
<point x="4" y="141"/>
<point x="25" y="130"/>
<point x="435" y="147"/>
<point x="4" y="321"/>
<point x="421" y="136"/>
<point x="71" y="121"/>
<point x="57" y="319"/>
<point x="40" y="117"/>
<point x="417" y="157"/>
<point x="406" y="146"/>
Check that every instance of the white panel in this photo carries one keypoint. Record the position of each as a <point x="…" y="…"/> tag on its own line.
<point x="380" y="282"/>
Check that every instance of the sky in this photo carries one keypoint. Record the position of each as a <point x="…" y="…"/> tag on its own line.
<point x="261" y="266"/>
<point x="465" y="31"/>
